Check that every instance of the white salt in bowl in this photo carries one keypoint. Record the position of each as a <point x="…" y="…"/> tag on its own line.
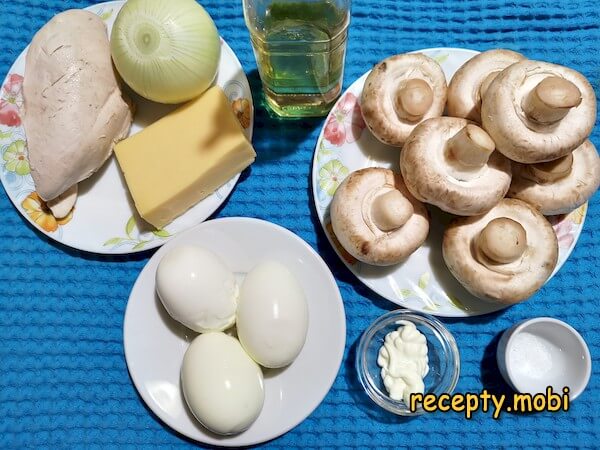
<point x="542" y="352"/>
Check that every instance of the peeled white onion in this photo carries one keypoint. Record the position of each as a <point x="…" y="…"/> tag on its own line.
<point x="166" y="50"/>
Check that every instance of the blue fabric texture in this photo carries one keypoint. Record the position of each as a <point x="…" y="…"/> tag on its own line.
<point x="63" y="378"/>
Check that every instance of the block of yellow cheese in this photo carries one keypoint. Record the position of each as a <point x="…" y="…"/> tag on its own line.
<point x="177" y="161"/>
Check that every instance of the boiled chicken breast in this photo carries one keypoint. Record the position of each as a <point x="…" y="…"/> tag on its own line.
<point x="74" y="109"/>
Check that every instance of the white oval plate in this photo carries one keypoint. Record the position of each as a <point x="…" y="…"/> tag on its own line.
<point x="422" y="282"/>
<point x="104" y="219"/>
<point x="155" y="343"/>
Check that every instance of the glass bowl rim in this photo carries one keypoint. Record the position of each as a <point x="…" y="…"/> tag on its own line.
<point x="445" y="339"/>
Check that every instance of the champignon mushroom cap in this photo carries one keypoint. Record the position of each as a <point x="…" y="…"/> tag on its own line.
<point x="559" y="186"/>
<point x="451" y="163"/>
<point x="375" y="218"/>
<point x="400" y="92"/>
<point x="472" y="79"/>
<point x="537" y="111"/>
<point x="487" y="255"/>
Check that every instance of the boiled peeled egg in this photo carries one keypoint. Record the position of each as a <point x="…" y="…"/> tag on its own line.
<point x="222" y="385"/>
<point x="272" y="315"/>
<point x="197" y="289"/>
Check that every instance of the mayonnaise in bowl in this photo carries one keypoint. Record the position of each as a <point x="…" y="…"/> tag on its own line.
<point x="403" y="361"/>
<point x="415" y="352"/>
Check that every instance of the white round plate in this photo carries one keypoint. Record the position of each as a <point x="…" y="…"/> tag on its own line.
<point x="104" y="219"/>
<point x="422" y="282"/>
<point x="155" y="343"/>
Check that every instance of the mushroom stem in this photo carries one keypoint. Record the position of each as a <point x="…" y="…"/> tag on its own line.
<point x="471" y="147"/>
<point x="550" y="171"/>
<point x="413" y="99"/>
<point x="551" y="100"/>
<point x="391" y="210"/>
<point x="503" y="240"/>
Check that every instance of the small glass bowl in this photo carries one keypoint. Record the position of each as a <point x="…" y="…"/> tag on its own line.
<point x="444" y="359"/>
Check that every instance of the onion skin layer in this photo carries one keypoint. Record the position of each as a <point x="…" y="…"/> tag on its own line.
<point x="167" y="51"/>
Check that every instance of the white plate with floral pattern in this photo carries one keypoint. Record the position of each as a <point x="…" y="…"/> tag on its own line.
<point x="104" y="219"/>
<point x="422" y="282"/>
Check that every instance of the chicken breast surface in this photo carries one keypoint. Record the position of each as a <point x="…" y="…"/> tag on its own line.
<point x="74" y="109"/>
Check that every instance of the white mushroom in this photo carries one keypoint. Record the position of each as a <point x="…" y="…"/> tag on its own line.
<point x="400" y="92"/>
<point x="537" y="111"/>
<point x="375" y="218"/>
<point x="504" y="256"/>
<point x="472" y="79"/>
<point x="451" y="164"/>
<point x="558" y="186"/>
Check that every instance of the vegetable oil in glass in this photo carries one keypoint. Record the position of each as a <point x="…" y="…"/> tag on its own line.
<point x="300" y="48"/>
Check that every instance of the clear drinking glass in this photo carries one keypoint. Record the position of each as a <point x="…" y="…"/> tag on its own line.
<point x="300" y="47"/>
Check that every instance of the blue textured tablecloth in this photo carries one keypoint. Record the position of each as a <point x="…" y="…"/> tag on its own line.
<point x="63" y="378"/>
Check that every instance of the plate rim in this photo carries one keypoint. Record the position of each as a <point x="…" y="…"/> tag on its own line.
<point x="153" y="244"/>
<point x="340" y="311"/>
<point x="314" y="180"/>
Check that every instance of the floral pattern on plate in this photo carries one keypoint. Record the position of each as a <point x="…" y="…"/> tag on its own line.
<point x="11" y="100"/>
<point x="134" y="238"/>
<point x="331" y="174"/>
<point x="422" y="282"/>
<point x="105" y="13"/>
<point x="420" y="291"/>
<point x="241" y="105"/>
<point x="241" y="109"/>
<point x="88" y="228"/>
<point x="15" y="158"/>
<point x="566" y="225"/>
<point x="345" y="123"/>
<point x="40" y="214"/>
